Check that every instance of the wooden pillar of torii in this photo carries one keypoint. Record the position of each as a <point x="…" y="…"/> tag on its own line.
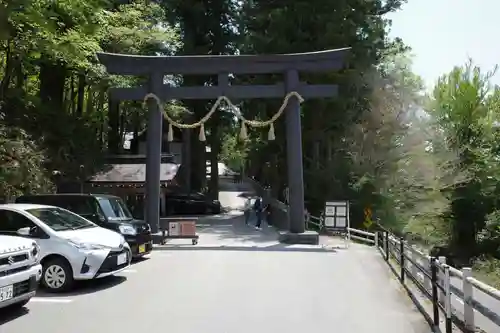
<point x="156" y="67"/>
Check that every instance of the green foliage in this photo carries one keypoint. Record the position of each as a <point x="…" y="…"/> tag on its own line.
<point x="233" y="151"/>
<point x="464" y="109"/>
<point x="304" y="26"/>
<point x="53" y="88"/>
<point x="487" y="269"/>
<point x="22" y="164"/>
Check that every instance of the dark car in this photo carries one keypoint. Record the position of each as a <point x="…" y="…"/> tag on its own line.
<point x="106" y="211"/>
<point x="191" y="203"/>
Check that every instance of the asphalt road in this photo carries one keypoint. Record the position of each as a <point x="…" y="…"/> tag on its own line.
<point x="241" y="287"/>
<point x="238" y="280"/>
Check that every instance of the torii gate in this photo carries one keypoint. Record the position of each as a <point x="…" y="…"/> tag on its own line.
<point x="156" y="67"/>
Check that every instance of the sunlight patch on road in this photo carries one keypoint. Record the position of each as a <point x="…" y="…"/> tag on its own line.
<point x="50" y="300"/>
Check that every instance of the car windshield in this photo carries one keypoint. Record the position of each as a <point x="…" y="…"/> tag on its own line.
<point x="115" y="209"/>
<point x="60" y="219"/>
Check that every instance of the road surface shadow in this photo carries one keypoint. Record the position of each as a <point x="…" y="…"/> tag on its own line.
<point x="271" y="248"/>
<point x="11" y="314"/>
<point x="87" y="287"/>
<point x="138" y="261"/>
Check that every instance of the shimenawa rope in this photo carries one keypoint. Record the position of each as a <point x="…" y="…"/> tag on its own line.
<point x="244" y="121"/>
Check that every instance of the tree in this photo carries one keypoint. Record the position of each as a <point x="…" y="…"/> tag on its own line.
<point x="207" y="27"/>
<point x="302" y="26"/>
<point x="22" y="165"/>
<point x="464" y="106"/>
<point x="51" y="85"/>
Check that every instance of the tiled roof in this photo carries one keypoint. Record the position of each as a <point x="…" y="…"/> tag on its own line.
<point x="133" y="173"/>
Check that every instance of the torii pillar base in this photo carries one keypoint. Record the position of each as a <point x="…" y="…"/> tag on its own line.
<point x="303" y="238"/>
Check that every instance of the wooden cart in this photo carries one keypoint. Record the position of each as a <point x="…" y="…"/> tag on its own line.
<point x="179" y="228"/>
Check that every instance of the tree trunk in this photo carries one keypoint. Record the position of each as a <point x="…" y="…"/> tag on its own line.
<point x="52" y="85"/>
<point x="72" y="92"/>
<point x="113" y="126"/>
<point x="8" y="71"/>
<point x="81" y="95"/>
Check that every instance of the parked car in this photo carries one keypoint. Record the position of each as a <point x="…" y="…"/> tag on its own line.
<point x="107" y="211"/>
<point x="20" y="270"/>
<point x="71" y="247"/>
<point x="179" y="203"/>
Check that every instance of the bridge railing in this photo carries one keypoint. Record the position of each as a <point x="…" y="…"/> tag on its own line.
<point x="468" y="302"/>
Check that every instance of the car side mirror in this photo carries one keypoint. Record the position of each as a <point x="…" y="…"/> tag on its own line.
<point x="26" y="232"/>
<point x="98" y="218"/>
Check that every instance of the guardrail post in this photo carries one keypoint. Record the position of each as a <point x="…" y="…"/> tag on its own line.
<point x="441" y="279"/>
<point x="427" y="281"/>
<point x="447" y="303"/>
<point x="414" y="270"/>
<point x="376" y="239"/>
<point x="402" y="258"/>
<point x="468" y="296"/>
<point x="386" y="245"/>
<point x="435" y="300"/>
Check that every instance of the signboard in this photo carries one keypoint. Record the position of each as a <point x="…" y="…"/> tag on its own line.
<point x="337" y="215"/>
<point x="368" y="218"/>
<point x="174" y="229"/>
<point x="329" y="211"/>
<point x="329" y="221"/>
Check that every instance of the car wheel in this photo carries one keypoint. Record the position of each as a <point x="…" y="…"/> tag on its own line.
<point x="57" y="275"/>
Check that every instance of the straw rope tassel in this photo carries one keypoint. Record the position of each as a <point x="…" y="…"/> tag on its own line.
<point x="243" y="131"/>
<point x="202" y="136"/>
<point x="270" y="134"/>
<point x="170" y="134"/>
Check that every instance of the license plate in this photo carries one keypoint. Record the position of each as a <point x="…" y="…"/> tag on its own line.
<point x="142" y="248"/>
<point x="6" y="293"/>
<point x="121" y="259"/>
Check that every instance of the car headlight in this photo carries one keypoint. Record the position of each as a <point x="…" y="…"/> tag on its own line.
<point x="127" y="230"/>
<point x="35" y="251"/>
<point x="86" y="246"/>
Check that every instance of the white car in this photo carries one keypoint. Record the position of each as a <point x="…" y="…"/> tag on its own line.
<point x="71" y="247"/>
<point x="20" y="271"/>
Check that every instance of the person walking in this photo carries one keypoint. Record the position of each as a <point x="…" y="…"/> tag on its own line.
<point x="268" y="212"/>
<point x="247" y="210"/>
<point x="257" y="207"/>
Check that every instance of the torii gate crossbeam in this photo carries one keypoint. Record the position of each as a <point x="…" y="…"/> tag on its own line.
<point x="156" y="67"/>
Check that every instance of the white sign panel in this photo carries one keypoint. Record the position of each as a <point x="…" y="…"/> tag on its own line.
<point x="174" y="229"/>
<point x="329" y="221"/>
<point x="341" y="211"/>
<point x="336" y="203"/>
<point x="330" y="210"/>
<point x="340" y="222"/>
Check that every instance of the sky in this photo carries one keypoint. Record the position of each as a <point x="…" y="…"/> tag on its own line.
<point x="445" y="33"/>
